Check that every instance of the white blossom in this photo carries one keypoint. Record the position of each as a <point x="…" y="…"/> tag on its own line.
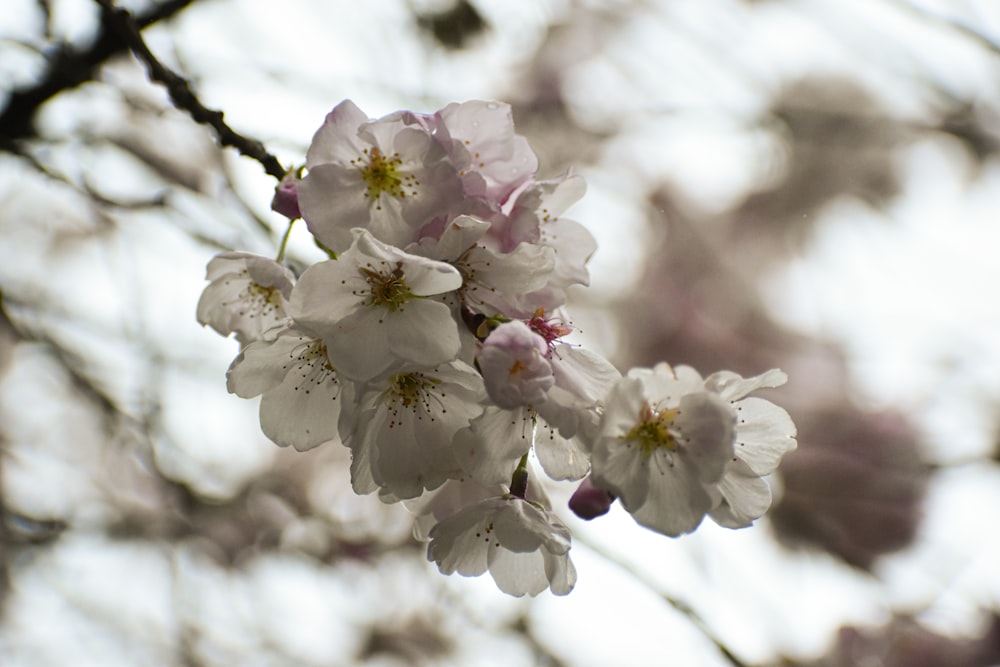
<point x="247" y="295"/>
<point x="369" y="307"/>
<point x="662" y="447"/>
<point x="389" y="176"/>
<point x="400" y="428"/>
<point x="524" y="546"/>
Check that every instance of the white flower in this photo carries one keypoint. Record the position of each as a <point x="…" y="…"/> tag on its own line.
<point x="368" y="306"/>
<point x="492" y="282"/>
<point x="675" y="447"/>
<point x="764" y="434"/>
<point x="662" y="447"/>
<point x="400" y="429"/>
<point x="389" y="175"/>
<point x="247" y="295"/>
<point x="298" y="385"/>
<point x="524" y="546"/>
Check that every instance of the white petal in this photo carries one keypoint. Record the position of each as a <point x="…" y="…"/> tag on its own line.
<point x="333" y="200"/>
<point x="263" y="365"/>
<point x="618" y="466"/>
<point x="561" y="458"/>
<point x="518" y="573"/>
<point x="746" y="497"/>
<point x="561" y="573"/>
<point x="490" y="448"/>
<point x="705" y="428"/>
<point x="764" y="434"/>
<point x="325" y="294"/>
<point x="302" y="411"/>
<point x="460" y="542"/>
<point x="422" y="332"/>
<point x="733" y="387"/>
<point x="358" y="345"/>
<point x="676" y="502"/>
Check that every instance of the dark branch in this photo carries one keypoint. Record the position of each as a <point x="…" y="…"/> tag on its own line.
<point x="68" y="68"/>
<point x="183" y="97"/>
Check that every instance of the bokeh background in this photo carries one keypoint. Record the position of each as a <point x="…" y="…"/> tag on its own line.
<point x="805" y="184"/>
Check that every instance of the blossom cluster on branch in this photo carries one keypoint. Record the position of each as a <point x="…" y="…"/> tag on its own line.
<point x="433" y="344"/>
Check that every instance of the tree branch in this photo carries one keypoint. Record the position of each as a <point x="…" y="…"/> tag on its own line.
<point x="68" y="68"/>
<point x="122" y="22"/>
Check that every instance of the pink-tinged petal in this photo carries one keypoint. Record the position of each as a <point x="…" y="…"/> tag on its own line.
<point x="337" y="139"/>
<point x="286" y="197"/>
<point x="574" y="246"/>
<point x="486" y="131"/>
<point x="458" y="236"/>
<point x="515" y="370"/>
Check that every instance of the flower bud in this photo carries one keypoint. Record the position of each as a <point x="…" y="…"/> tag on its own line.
<point x="589" y="502"/>
<point x="286" y="196"/>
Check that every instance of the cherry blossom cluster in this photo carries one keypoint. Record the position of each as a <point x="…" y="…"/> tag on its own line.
<point x="433" y="344"/>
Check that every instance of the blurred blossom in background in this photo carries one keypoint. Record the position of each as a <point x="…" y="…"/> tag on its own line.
<point x="810" y="185"/>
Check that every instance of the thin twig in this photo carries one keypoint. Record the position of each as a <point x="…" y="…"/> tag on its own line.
<point x="180" y="91"/>
<point x="678" y="605"/>
<point x="68" y="68"/>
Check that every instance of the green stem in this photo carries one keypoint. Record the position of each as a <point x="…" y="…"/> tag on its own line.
<point x="519" y="480"/>
<point x="284" y="241"/>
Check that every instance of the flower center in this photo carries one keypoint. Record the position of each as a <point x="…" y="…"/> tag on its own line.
<point x="264" y="299"/>
<point x="381" y="174"/>
<point x="550" y="329"/>
<point x="653" y="430"/>
<point x="388" y="290"/>
<point x="410" y="389"/>
<point x="314" y="367"/>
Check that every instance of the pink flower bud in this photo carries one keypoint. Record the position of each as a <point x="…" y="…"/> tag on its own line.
<point x="515" y="370"/>
<point x="589" y="502"/>
<point x="286" y="197"/>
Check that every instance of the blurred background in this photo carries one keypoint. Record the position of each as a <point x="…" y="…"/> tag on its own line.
<point x="805" y="184"/>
